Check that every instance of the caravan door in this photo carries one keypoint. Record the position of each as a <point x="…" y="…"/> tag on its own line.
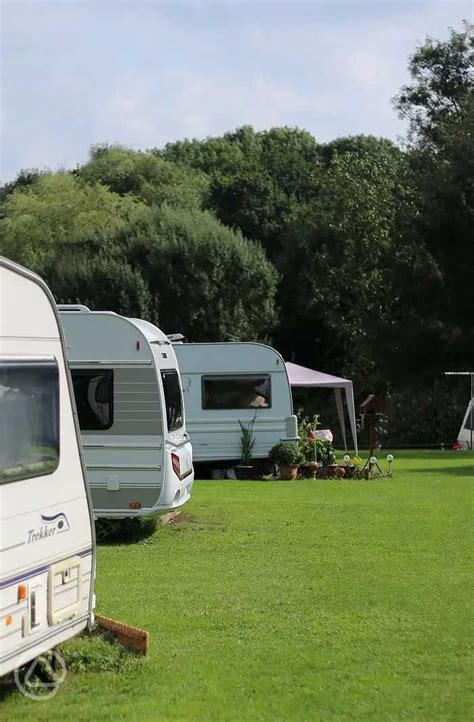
<point x="46" y="530"/>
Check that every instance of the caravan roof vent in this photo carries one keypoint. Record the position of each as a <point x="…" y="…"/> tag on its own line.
<point x="176" y="337"/>
<point x="77" y="307"/>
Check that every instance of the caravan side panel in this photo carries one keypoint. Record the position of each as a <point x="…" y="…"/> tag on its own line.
<point x="215" y="432"/>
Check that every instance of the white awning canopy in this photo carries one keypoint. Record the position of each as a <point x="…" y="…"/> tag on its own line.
<point x="300" y="376"/>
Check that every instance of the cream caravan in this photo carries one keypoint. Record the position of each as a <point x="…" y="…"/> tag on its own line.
<point x="46" y="534"/>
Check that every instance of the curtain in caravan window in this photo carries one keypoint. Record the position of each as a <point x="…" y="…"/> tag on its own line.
<point x="239" y="391"/>
<point x="94" y="394"/>
<point x="29" y="419"/>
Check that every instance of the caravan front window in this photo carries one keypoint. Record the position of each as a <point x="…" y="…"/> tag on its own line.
<point x="173" y="399"/>
<point x="239" y="391"/>
<point x="94" y="394"/>
<point x="29" y="419"/>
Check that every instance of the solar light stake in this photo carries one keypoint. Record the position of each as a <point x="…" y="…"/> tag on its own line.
<point x="389" y="461"/>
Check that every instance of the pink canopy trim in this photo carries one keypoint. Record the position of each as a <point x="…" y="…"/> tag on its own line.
<point x="309" y="378"/>
<point x="302" y="376"/>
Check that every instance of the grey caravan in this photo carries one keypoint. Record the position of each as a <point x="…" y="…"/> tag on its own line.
<point x="227" y="382"/>
<point x="131" y="413"/>
<point x="47" y="553"/>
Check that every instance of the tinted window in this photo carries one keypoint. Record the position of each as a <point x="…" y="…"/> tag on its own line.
<point x="94" y="392"/>
<point x="29" y="419"/>
<point x="242" y="391"/>
<point x="173" y="399"/>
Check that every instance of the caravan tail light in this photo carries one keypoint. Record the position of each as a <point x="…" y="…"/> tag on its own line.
<point x="22" y="592"/>
<point x="176" y="465"/>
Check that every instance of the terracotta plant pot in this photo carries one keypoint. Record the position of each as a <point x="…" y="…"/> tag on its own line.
<point x="288" y="473"/>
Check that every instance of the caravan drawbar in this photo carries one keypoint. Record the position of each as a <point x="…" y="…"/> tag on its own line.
<point x="130" y="405"/>
<point x="47" y="552"/>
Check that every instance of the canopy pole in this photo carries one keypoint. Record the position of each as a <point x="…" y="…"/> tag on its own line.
<point x="340" y="413"/>
<point x="352" y="414"/>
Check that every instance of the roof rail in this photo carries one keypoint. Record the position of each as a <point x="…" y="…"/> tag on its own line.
<point x="176" y="337"/>
<point x="77" y="307"/>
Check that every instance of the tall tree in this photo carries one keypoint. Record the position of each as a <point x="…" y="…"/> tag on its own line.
<point x="333" y="291"/>
<point x="441" y="88"/>
<point x="440" y="107"/>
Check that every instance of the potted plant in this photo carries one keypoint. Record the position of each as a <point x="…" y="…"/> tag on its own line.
<point x="288" y="457"/>
<point x="307" y="445"/>
<point x="244" y="470"/>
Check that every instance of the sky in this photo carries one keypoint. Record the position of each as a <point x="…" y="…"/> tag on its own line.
<point x="142" y="74"/>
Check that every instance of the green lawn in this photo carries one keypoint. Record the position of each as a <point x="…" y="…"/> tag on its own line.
<point x="307" y="600"/>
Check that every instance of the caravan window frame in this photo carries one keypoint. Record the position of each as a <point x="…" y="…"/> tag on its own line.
<point x="263" y="377"/>
<point x="48" y="364"/>
<point x="91" y="372"/>
<point x="171" y="372"/>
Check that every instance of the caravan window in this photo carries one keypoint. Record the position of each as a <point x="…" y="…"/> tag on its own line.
<point x="240" y="391"/>
<point x="94" y="393"/>
<point x="173" y="399"/>
<point x="29" y="419"/>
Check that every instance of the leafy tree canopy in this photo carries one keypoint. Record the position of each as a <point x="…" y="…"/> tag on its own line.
<point x="210" y="282"/>
<point x="442" y="85"/>
<point x="100" y="281"/>
<point x="60" y="209"/>
<point x="258" y="179"/>
<point x="150" y="178"/>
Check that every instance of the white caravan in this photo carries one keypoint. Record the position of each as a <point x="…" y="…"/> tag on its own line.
<point x="131" y="414"/>
<point x="227" y="382"/>
<point x="466" y="432"/>
<point x="46" y="535"/>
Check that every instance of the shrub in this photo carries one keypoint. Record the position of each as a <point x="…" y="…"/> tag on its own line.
<point x="312" y="448"/>
<point x="286" y="453"/>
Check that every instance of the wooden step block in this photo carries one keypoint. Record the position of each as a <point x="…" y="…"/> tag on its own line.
<point x="131" y="637"/>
